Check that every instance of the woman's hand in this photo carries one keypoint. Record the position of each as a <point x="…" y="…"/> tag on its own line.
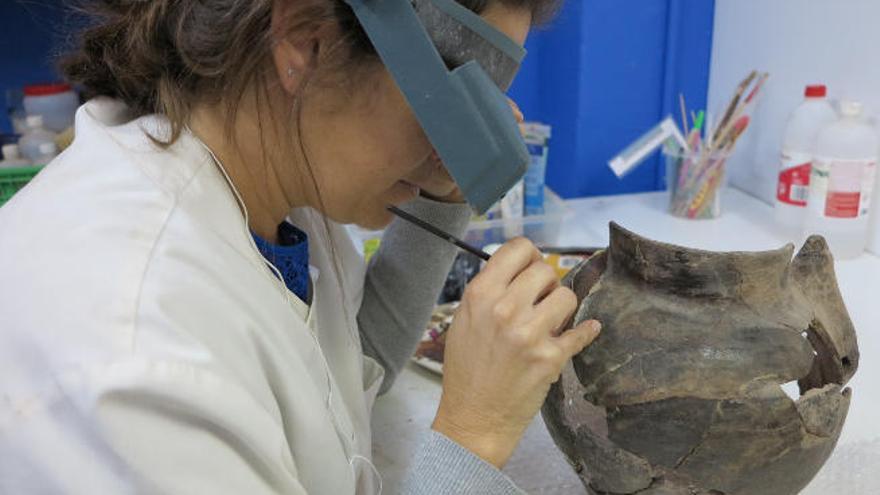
<point x="438" y="183"/>
<point x="504" y="350"/>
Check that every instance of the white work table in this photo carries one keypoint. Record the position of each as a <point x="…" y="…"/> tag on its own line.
<point x="405" y="413"/>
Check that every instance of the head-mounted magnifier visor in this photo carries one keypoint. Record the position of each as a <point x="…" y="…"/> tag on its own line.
<point x="452" y="67"/>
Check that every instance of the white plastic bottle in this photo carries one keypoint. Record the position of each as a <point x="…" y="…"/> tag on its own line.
<point x="842" y="182"/>
<point x="36" y="135"/>
<point x="56" y="102"/>
<point x="874" y="231"/>
<point x="798" y="147"/>
<point x="12" y="157"/>
<point x="48" y="152"/>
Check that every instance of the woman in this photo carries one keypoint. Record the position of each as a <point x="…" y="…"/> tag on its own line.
<point x="182" y="309"/>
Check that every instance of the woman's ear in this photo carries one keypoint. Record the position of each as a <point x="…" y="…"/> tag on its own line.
<point x="292" y="63"/>
<point x="293" y="59"/>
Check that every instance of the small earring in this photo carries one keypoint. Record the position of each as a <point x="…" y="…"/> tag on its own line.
<point x="291" y="72"/>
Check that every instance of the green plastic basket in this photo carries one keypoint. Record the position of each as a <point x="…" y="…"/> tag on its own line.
<point x="13" y="179"/>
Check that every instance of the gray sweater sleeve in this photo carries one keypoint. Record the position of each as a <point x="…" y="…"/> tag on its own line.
<point x="403" y="281"/>
<point x="442" y="466"/>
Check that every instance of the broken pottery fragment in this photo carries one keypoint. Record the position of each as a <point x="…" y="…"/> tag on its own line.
<point x="681" y="393"/>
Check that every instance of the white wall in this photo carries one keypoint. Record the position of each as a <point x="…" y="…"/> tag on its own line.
<point x="836" y="42"/>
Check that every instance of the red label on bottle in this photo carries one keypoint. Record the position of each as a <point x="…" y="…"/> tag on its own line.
<point x="843" y="204"/>
<point x="794" y="185"/>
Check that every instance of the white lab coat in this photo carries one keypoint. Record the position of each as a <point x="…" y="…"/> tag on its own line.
<point x="145" y="346"/>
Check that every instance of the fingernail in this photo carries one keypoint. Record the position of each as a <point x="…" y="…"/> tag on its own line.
<point x="596" y="326"/>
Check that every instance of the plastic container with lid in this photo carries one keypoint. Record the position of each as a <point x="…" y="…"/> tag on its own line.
<point x="12" y="157"/>
<point x="47" y="153"/>
<point x="56" y="102"/>
<point x="35" y="136"/>
<point x="543" y="229"/>
<point x="874" y="230"/>
<point x="799" y="142"/>
<point x="842" y="182"/>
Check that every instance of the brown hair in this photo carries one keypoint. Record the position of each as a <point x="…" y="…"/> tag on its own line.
<point x="164" y="56"/>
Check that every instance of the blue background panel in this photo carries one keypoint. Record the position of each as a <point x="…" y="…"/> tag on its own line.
<point x="606" y="71"/>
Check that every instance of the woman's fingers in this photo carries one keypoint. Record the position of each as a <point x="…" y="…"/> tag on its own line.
<point x="578" y="338"/>
<point x="556" y="309"/>
<point x="510" y="259"/>
<point x="534" y="283"/>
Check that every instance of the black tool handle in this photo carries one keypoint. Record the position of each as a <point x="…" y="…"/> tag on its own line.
<point x="439" y="233"/>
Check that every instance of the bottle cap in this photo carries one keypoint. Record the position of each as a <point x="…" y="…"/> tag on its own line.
<point x="849" y="108"/>
<point x="46" y="89"/>
<point x="816" y="91"/>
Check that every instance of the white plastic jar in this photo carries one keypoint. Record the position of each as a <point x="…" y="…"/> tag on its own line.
<point x="47" y="153"/>
<point x="35" y="136"/>
<point x="57" y="103"/>
<point x="842" y="182"/>
<point x="799" y="145"/>
<point x="12" y="157"/>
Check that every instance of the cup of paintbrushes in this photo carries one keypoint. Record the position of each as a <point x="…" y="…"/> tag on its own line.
<point x="696" y="175"/>
<point x="695" y="180"/>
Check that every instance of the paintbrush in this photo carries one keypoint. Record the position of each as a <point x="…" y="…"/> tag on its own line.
<point x="757" y="88"/>
<point x="734" y="103"/>
<point x="723" y="134"/>
<point x="746" y="105"/>
<point x="725" y="146"/>
<point x="716" y="172"/>
<point x="418" y="222"/>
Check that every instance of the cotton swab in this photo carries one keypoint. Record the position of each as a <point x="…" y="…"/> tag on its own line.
<point x="684" y="115"/>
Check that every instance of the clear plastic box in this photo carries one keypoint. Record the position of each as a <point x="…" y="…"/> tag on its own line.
<point x="543" y="230"/>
